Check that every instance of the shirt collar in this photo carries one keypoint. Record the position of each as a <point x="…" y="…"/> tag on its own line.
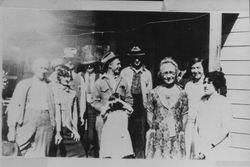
<point x="36" y="80"/>
<point x="139" y="70"/>
<point x="108" y="76"/>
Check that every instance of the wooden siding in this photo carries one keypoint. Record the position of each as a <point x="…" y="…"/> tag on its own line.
<point x="235" y="63"/>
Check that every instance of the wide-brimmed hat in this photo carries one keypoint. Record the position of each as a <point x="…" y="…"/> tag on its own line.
<point x="87" y="56"/>
<point x="136" y="51"/>
<point x="108" y="58"/>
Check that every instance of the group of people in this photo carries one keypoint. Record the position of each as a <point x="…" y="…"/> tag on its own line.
<point x="117" y="113"/>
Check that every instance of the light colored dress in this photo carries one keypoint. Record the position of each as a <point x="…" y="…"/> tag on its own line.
<point x="194" y="91"/>
<point x="115" y="138"/>
<point x="167" y="112"/>
<point x="31" y="108"/>
<point x="67" y="100"/>
<point x="213" y="120"/>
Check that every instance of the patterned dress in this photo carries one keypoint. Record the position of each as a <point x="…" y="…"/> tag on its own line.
<point x="166" y="109"/>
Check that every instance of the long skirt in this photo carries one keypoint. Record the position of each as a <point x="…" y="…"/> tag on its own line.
<point x="69" y="147"/>
<point x="35" y="135"/>
<point x="189" y="138"/>
<point x="115" y="138"/>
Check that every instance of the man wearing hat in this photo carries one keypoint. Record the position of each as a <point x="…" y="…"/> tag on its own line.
<point x="139" y="80"/>
<point x="108" y="84"/>
<point x="90" y="75"/>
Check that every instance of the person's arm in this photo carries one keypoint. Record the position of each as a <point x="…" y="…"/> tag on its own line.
<point x="128" y="96"/>
<point x="82" y="100"/>
<point x="75" y="133"/>
<point x="149" y="85"/>
<point x="13" y="110"/>
<point x="98" y="103"/>
<point x="184" y="111"/>
<point x="150" y="109"/>
<point x="150" y="81"/>
<point x="58" y="116"/>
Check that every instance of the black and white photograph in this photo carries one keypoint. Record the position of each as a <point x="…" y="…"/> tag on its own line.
<point x="100" y="84"/>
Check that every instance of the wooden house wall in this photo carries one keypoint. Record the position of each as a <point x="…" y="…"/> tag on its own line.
<point x="235" y="63"/>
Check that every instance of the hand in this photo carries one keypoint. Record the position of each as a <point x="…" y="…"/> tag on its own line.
<point x="212" y="145"/>
<point x="58" y="138"/>
<point x="11" y="135"/>
<point x="82" y="120"/>
<point x="126" y="105"/>
<point x="200" y="156"/>
<point x="75" y="135"/>
<point x="105" y="108"/>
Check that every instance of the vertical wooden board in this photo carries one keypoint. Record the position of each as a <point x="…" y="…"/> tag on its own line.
<point x="238" y="82"/>
<point x="235" y="53"/>
<point x="236" y="67"/>
<point x="238" y="39"/>
<point x="215" y="29"/>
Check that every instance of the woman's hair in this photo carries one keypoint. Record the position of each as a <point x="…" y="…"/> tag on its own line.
<point x="165" y="61"/>
<point x="219" y="81"/>
<point x="63" y="71"/>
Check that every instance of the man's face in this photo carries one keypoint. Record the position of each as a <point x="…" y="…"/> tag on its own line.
<point x="168" y="73"/>
<point x="115" y="66"/>
<point x="136" y="62"/>
<point x="90" y="68"/>
<point x="70" y="64"/>
<point x="40" y="70"/>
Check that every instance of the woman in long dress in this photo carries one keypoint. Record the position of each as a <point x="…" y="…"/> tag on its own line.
<point x="67" y="137"/>
<point x="167" y="115"/>
<point x="213" y="119"/>
<point x="194" y="89"/>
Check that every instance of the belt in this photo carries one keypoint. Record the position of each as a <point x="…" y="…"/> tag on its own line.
<point x="215" y="145"/>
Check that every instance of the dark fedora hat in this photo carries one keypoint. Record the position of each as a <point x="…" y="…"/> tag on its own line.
<point x="136" y="51"/>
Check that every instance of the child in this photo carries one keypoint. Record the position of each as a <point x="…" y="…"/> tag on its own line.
<point x="115" y="139"/>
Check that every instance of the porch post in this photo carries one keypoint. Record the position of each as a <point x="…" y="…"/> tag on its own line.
<point x="215" y="31"/>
